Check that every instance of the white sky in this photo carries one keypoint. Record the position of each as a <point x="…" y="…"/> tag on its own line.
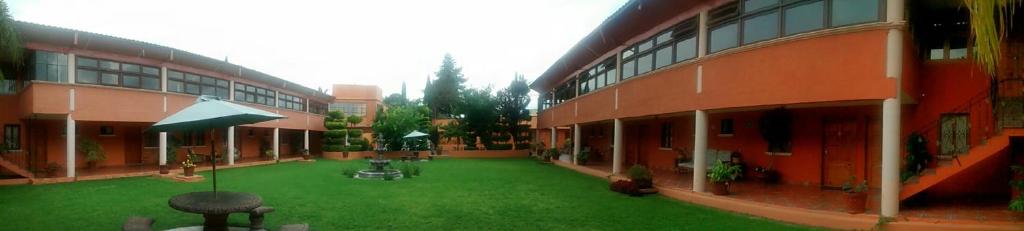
<point x="319" y="43"/>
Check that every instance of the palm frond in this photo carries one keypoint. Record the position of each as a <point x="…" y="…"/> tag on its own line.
<point x="990" y="21"/>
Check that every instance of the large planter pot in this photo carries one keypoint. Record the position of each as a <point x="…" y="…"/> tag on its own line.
<point x="719" y="188"/>
<point x="190" y="171"/>
<point x="164" y="169"/>
<point x="856" y="202"/>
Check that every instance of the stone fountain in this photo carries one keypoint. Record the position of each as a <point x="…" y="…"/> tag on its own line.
<point x="378" y="165"/>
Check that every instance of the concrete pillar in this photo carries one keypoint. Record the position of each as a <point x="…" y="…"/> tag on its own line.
<point x="890" y="157"/>
<point x="575" y="142"/>
<point x="163" y="79"/>
<point x="231" y="144"/>
<point x="70" y="151"/>
<point x="277" y="143"/>
<point x="700" y="149"/>
<point x="163" y="148"/>
<point x="305" y="140"/>
<point x="554" y="137"/>
<point x="72" y="66"/>
<point x="702" y="34"/>
<point x="617" y="147"/>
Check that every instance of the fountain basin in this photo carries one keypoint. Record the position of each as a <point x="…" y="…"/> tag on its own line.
<point x="378" y="174"/>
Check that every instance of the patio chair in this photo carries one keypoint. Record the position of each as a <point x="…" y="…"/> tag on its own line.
<point x="295" y="227"/>
<point x="135" y="223"/>
<point x="256" y="217"/>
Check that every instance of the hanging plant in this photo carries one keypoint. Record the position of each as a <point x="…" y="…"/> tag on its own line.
<point x="777" y="129"/>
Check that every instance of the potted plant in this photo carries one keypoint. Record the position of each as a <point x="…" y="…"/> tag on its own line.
<point x="581" y="159"/>
<point x="550" y="154"/>
<point x="268" y="154"/>
<point x="189" y="166"/>
<point x="93" y="152"/>
<point x="1017" y="188"/>
<point x="856" y="195"/>
<point x="720" y="175"/>
<point x="639" y="175"/>
<point x="52" y="168"/>
<point x="305" y="154"/>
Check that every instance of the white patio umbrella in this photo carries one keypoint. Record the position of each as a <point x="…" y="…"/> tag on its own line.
<point x="415" y="134"/>
<point x="211" y="112"/>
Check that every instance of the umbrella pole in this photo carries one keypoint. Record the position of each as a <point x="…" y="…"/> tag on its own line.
<point x="213" y="156"/>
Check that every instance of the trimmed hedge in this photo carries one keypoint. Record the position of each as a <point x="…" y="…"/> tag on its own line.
<point x="523" y="146"/>
<point x="334" y="134"/>
<point x="355" y="133"/>
<point x="333" y="148"/>
<point x="355" y="148"/>
<point x="334" y="125"/>
<point x="499" y="147"/>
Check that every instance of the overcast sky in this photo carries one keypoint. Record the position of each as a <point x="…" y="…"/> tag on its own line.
<point x="319" y="43"/>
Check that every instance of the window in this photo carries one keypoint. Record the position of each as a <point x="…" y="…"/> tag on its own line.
<point x="193" y="139"/>
<point x="666" y="135"/>
<point x="675" y="44"/>
<point x="8" y="86"/>
<point x="566" y="91"/>
<point x="751" y="21"/>
<point x="150" y="139"/>
<point x="252" y="94"/>
<point x="804" y="17"/>
<point x="50" y="66"/>
<point x="598" y="76"/>
<point x="943" y="35"/>
<point x="953" y="131"/>
<point x="291" y="102"/>
<point x="110" y="73"/>
<point x="12" y="136"/>
<point x="193" y="84"/>
<point x="106" y="130"/>
<point x="317" y="108"/>
<point x="849" y="12"/>
<point x="725" y="127"/>
<point x="349" y="109"/>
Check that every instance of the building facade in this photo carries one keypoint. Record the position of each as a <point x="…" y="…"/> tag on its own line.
<point x="816" y="90"/>
<point x="76" y="88"/>
<point x="358" y="100"/>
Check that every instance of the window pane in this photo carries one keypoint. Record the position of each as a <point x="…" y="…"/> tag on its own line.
<point x="752" y="5"/>
<point x="131" y="68"/>
<point x="628" y="69"/>
<point x="957" y="53"/>
<point x="600" y="80"/>
<point x="110" y="65"/>
<point x="209" y="81"/>
<point x="175" y="75"/>
<point x="611" y="76"/>
<point x="645" y="45"/>
<point x="846" y="12"/>
<point x="644" y="64"/>
<point x="86" y="76"/>
<point x="223" y="83"/>
<point x="192" y="89"/>
<point x="84" y="62"/>
<point x="686" y="49"/>
<point x="722" y="38"/>
<point x="150" y="71"/>
<point x="627" y="53"/>
<point x="761" y="27"/>
<point x="108" y="79"/>
<point x="664" y="37"/>
<point x="151" y="83"/>
<point x="223" y="93"/>
<point x="663" y="57"/>
<point x="207" y="90"/>
<point x="175" y="86"/>
<point x="806" y="17"/>
<point x="261" y="100"/>
<point x="191" y="78"/>
<point x="131" y="81"/>
<point x="250" y="98"/>
<point x="936" y="54"/>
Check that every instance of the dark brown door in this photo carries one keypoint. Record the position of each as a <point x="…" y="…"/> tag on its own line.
<point x="132" y="145"/>
<point x="843" y="141"/>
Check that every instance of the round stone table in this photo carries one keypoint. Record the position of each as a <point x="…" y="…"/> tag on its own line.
<point x="215" y="207"/>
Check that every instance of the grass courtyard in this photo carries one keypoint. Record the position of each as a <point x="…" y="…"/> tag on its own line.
<point x="461" y="194"/>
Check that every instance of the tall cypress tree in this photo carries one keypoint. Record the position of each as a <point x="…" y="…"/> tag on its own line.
<point x="512" y="102"/>
<point x="443" y="94"/>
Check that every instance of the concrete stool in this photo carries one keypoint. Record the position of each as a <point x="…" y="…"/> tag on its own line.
<point x="295" y="227"/>
<point x="137" y="224"/>
<point x="256" y="217"/>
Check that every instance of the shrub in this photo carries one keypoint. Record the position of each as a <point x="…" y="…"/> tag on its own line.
<point x="334" y="134"/>
<point x="348" y="172"/>
<point x="723" y="172"/>
<point x="333" y="148"/>
<point x="355" y="148"/>
<point x="551" y="153"/>
<point x="625" y="187"/>
<point x="416" y="170"/>
<point x="355" y="133"/>
<point x="640" y="176"/>
<point x="406" y="170"/>
<point x="499" y="147"/>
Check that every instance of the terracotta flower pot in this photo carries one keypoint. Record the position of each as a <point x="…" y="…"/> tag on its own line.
<point x="165" y="169"/>
<point x="719" y="188"/>
<point x="856" y="202"/>
<point x="190" y="171"/>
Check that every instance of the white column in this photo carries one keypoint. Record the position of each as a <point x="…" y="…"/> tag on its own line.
<point x="231" y="145"/>
<point x="163" y="79"/>
<point x="305" y="140"/>
<point x="71" y="68"/>
<point x="617" y="147"/>
<point x="702" y="34"/>
<point x="575" y="142"/>
<point x="700" y="148"/>
<point x="890" y="157"/>
<point x="554" y="138"/>
<point x="70" y="152"/>
<point x="277" y="143"/>
<point x="163" y="148"/>
<point x="891" y="113"/>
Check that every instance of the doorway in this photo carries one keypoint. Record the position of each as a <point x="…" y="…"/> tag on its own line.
<point x="843" y="144"/>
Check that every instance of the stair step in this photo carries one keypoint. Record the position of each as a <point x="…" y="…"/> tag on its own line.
<point x="912" y="180"/>
<point x="928" y="172"/>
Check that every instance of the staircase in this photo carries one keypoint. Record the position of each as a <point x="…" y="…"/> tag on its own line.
<point x="949" y="168"/>
<point x="15" y="168"/>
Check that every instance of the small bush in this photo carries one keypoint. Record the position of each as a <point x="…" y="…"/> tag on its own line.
<point x="416" y="170"/>
<point x="334" y="133"/>
<point x="640" y="176"/>
<point x="348" y="172"/>
<point x="406" y="170"/>
<point x="625" y="187"/>
<point x="355" y="133"/>
<point x="333" y="148"/>
<point x="334" y="125"/>
<point x="355" y="148"/>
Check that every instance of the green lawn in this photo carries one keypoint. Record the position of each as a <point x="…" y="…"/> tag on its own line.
<point x="465" y="194"/>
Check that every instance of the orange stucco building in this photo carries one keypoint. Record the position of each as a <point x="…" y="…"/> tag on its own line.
<point x="661" y="83"/>
<point x="109" y="90"/>
<point x="358" y="100"/>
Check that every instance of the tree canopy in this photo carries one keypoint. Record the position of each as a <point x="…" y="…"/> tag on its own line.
<point x="393" y="124"/>
<point x="444" y="94"/>
<point x="512" y="108"/>
<point x="10" y="44"/>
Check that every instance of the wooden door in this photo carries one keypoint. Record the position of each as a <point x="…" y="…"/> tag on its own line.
<point x="843" y="142"/>
<point x="132" y="145"/>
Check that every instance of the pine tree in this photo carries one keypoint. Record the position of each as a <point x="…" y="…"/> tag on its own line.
<point x="443" y="94"/>
<point x="512" y="102"/>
